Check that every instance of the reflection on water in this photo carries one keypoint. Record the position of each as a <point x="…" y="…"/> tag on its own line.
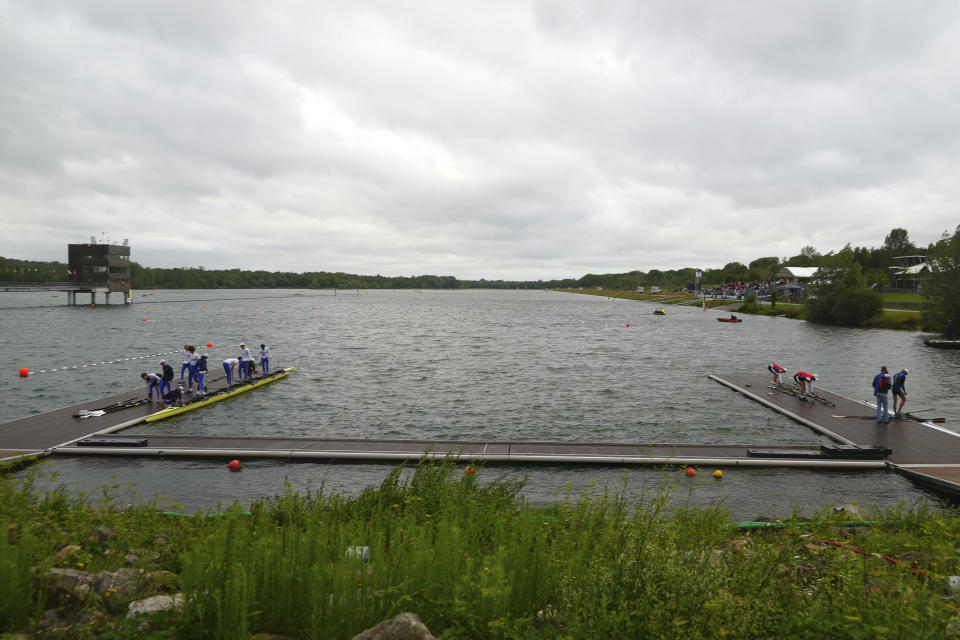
<point x="491" y="365"/>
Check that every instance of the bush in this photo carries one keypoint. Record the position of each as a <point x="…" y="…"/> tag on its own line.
<point x="855" y="306"/>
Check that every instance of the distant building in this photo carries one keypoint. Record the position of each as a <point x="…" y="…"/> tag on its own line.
<point x="796" y="275"/>
<point x="102" y="267"/>
<point x="908" y="272"/>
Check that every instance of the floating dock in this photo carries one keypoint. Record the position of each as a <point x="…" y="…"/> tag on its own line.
<point x="923" y="451"/>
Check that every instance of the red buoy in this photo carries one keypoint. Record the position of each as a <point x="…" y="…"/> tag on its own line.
<point x="628" y="324"/>
<point x="144" y="319"/>
<point x="234" y="465"/>
<point x="24" y="372"/>
<point x="691" y="472"/>
<point x="209" y="344"/>
<point x="469" y="470"/>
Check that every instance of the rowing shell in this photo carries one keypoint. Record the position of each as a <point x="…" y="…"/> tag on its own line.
<point x="229" y="392"/>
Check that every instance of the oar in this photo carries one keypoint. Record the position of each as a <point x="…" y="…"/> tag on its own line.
<point x="856" y="417"/>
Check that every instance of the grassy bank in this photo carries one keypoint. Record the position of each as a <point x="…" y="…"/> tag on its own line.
<point x="891" y="318"/>
<point x="475" y="561"/>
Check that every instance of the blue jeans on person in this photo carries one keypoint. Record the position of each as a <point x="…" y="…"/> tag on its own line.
<point x="164" y="388"/>
<point x="151" y="385"/>
<point x="229" y="371"/>
<point x="265" y="365"/>
<point x="243" y="369"/>
<point x="184" y="367"/>
<point x="882" y="402"/>
<point x="200" y="375"/>
<point x="193" y="376"/>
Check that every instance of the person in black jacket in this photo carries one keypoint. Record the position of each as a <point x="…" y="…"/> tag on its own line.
<point x="166" y="382"/>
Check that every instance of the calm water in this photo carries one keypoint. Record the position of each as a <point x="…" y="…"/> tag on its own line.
<point x="498" y="365"/>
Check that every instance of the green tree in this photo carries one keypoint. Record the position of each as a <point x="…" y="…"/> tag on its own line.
<point x="898" y="242"/>
<point x="942" y="286"/>
<point x="808" y="257"/>
<point x="837" y="293"/>
<point x="764" y="268"/>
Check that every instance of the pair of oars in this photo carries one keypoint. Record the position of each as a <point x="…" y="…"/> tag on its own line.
<point x="908" y="416"/>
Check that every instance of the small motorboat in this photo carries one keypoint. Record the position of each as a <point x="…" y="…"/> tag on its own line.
<point x="729" y="320"/>
<point x="660" y="312"/>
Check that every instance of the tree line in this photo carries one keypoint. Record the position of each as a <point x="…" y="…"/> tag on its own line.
<point x="840" y="293"/>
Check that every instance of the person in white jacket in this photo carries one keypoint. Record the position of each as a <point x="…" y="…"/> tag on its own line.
<point x="265" y="359"/>
<point x="246" y="358"/>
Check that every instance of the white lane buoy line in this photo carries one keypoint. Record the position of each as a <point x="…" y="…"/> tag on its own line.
<point x="105" y="362"/>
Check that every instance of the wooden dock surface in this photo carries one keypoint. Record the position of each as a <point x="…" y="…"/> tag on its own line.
<point x="919" y="448"/>
<point x="44" y="431"/>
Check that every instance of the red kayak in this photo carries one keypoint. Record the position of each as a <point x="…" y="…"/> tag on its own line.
<point x="729" y="320"/>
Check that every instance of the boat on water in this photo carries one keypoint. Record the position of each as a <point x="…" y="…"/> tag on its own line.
<point x="943" y="344"/>
<point x="729" y="320"/>
<point x="660" y="312"/>
<point x="223" y="394"/>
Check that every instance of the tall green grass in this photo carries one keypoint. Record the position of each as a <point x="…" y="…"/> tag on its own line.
<point x="474" y="560"/>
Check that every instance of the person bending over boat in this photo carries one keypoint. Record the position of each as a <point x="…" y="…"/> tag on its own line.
<point x="777" y="372"/>
<point x="167" y="382"/>
<point x="881" y="389"/>
<point x="899" y="390"/>
<point x="265" y="359"/>
<point x="201" y="373"/>
<point x="228" y="366"/>
<point x="805" y="380"/>
<point x="175" y="396"/>
<point x="153" y="382"/>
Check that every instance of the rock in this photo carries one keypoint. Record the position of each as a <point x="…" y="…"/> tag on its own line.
<point x="154" y="604"/>
<point x="119" y="581"/>
<point x="71" y="583"/>
<point x="102" y="533"/>
<point x="849" y="510"/>
<point x="403" y="626"/>
<point x="67" y="550"/>
<point x="131" y="558"/>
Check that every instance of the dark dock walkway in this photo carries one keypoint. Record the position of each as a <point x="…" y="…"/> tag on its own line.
<point x="500" y="452"/>
<point x="45" y="431"/>
<point x="921" y="450"/>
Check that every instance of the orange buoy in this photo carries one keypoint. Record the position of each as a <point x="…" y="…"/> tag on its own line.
<point x="203" y="306"/>
<point x="209" y="344"/>
<point x="691" y="472"/>
<point x="233" y="465"/>
<point x="144" y="319"/>
<point x="24" y="372"/>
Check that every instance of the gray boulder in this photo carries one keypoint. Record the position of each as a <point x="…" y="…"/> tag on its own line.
<point x="404" y="626"/>
<point x="154" y="604"/>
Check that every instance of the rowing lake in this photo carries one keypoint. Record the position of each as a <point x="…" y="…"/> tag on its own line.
<point x="469" y="365"/>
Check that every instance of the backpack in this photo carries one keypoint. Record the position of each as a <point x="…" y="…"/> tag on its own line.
<point x="883" y="384"/>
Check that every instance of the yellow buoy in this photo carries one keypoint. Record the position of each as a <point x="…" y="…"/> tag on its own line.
<point x="718" y="474"/>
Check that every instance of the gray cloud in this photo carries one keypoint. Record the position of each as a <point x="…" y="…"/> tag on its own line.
<point x="499" y="140"/>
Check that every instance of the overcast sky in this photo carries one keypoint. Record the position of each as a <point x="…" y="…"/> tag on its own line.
<point x="498" y="139"/>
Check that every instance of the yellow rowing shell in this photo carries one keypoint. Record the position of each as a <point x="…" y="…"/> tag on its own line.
<point x="169" y="412"/>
